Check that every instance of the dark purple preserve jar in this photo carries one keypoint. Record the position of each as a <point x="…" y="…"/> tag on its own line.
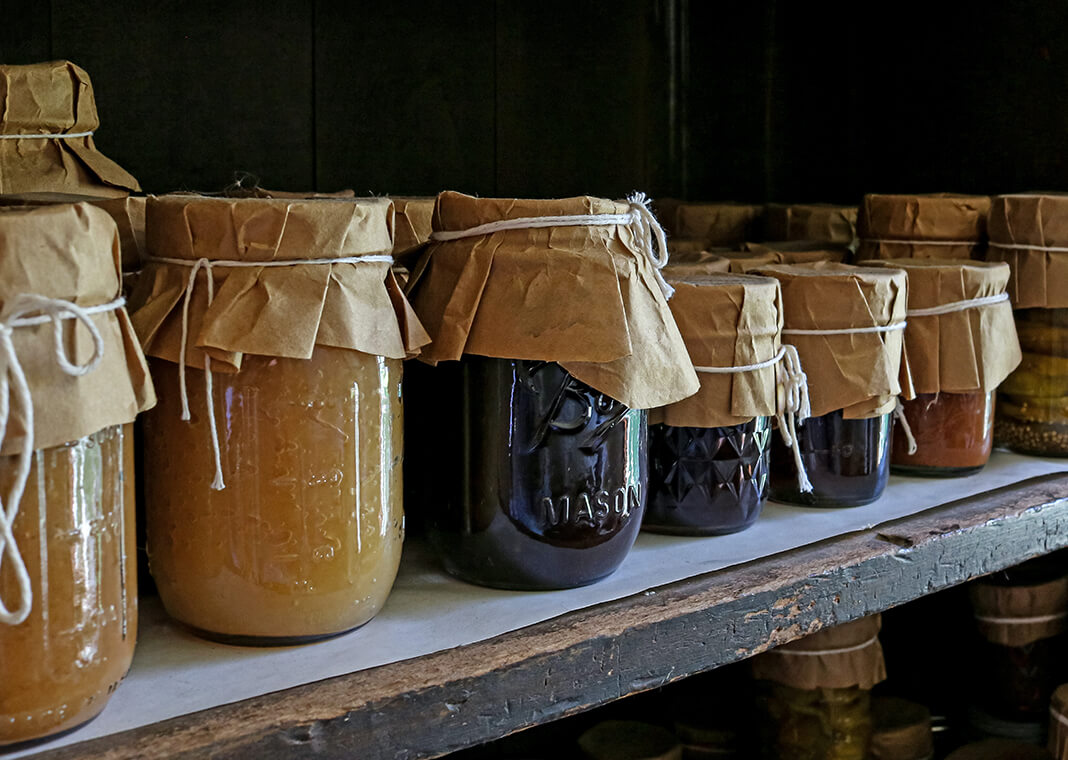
<point x="709" y="453"/>
<point x="540" y="481"/>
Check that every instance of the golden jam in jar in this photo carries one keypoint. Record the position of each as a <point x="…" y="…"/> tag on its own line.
<point x="305" y="539"/>
<point x="74" y="530"/>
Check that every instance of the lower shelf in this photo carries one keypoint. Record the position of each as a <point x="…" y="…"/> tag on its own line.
<point x="447" y="665"/>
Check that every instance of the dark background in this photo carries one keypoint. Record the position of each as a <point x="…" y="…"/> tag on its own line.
<point x="706" y="99"/>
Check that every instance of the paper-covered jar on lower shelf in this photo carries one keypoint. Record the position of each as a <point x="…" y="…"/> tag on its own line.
<point x="273" y="462"/>
<point x="551" y="336"/>
<point x="74" y="378"/>
<point x="1030" y="232"/>
<point x="709" y="452"/>
<point x="847" y="324"/>
<point x="961" y="344"/>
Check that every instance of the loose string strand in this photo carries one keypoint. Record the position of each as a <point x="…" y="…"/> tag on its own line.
<point x="13" y="382"/>
<point x="48" y="136"/>
<point x="819" y="652"/>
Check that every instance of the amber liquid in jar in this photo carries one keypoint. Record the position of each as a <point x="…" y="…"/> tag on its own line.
<point x="305" y="539"/>
<point x="75" y="532"/>
<point x="816" y="724"/>
<point x="1032" y="410"/>
<point x="954" y="433"/>
<point x="539" y="481"/>
<point x="847" y="461"/>
<point x="707" y="481"/>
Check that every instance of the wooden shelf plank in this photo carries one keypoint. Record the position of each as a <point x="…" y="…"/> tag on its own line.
<point x="429" y="706"/>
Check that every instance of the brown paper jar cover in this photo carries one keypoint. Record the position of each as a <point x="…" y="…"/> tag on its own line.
<point x="278" y="311"/>
<point x="629" y="740"/>
<point x="963" y="351"/>
<point x="1058" y="723"/>
<point x="53" y="98"/>
<point x="1008" y="615"/>
<point x="810" y="221"/>
<point x="413" y="225"/>
<point x="843" y="657"/>
<point x="1027" y="224"/>
<point x="755" y="255"/>
<point x="726" y="321"/>
<point x="708" y="224"/>
<point x="70" y="252"/>
<point x="129" y="216"/>
<point x="584" y="296"/>
<point x="701" y="264"/>
<point x="901" y="730"/>
<point x="949" y="226"/>
<point x="860" y="373"/>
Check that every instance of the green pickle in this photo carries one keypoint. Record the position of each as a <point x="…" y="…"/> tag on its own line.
<point x="816" y="724"/>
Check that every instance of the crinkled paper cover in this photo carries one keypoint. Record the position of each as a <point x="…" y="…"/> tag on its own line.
<point x="810" y="221"/>
<point x="860" y="373"/>
<point x="964" y="351"/>
<point x="129" y="216"/>
<point x="585" y="297"/>
<point x="279" y="311"/>
<point x="46" y="98"/>
<point x="1039" y="278"/>
<point x="755" y="255"/>
<point x="863" y="667"/>
<point x="708" y="224"/>
<point x="70" y="252"/>
<point x="1019" y="603"/>
<point x="414" y="223"/>
<point x="726" y="320"/>
<point x="696" y="264"/>
<point x="938" y="217"/>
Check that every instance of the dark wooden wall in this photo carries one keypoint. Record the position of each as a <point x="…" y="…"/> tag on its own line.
<point x="757" y="101"/>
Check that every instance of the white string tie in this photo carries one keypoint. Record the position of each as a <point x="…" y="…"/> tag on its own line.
<point x="642" y="221"/>
<point x="1028" y="246"/>
<point x="848" y="330"/>
<point x="13" y="382"/>
<point x="48" y="136"/>
<point x="218" y="483"/>
<point x="1057" y="716"/>
<point x="906" y="429"/>
<point x="922" y="242"/>
<point x="955" y="306"/>
<point x="792" y="405"/>
<point x="819" y="652"/>
<point x="1022" y="620"/>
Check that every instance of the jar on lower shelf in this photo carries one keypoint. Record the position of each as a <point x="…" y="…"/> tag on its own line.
<point x="305" y="539"/>
<point x="75" y="532"/>
<point x="541" y="481"/>
<point x="1032" y="409"/>
<point x="707" y="481"/>
<point x="954" y="434"/>
<point x="847" y="461"/>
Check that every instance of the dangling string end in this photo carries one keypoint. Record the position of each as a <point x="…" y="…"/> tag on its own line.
<point x="652" y="237"/>
<point x="910" y="439"/>
<point x="793" y="408"/>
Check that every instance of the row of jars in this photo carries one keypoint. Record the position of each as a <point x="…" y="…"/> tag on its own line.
<point x="275" y="328"/>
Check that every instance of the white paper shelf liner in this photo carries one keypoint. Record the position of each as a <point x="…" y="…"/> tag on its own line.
<point x="174" y="673"/>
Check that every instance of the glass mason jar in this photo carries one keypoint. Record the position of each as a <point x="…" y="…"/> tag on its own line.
<point x="815" y="724"/>
<point x="954" y="434"/>
<point x="1032" y="410"/>
<point x="707" y="481"/>
<point x="305" y="539"/>
<point x="847" y="461"/>
<point x="74" y="530"/>
<point x="540" y="480"/>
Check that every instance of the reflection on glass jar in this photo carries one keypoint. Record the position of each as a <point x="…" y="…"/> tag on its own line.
<point x="848" y="461"/>
<point x="954" y="433"/>
<point x="1032" y="413"/>
<point x="707" y="481"/>
<point x="305" y="539"/>
<point x="816" y="724"/>
<point x="74" y="529"/>
<point x="540" y="480"/>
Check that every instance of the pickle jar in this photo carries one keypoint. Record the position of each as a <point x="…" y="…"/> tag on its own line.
<point x="846" y="323"/>
<point x="68" y="581"/>
<point x="537" y="476"/>
<point x="815" y="693"/>
<point x="929" y="226"/>
<point x="1030" y="232"/>
<point x="709" y="453"/>
<point x="811" y="222"/>
<point x="274" y="509"/>
<point x="961" y="344"/>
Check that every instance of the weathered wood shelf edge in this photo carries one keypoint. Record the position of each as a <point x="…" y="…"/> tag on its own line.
<point x="432" y="705"/>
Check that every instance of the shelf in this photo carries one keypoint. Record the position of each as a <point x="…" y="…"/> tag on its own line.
<point x="544" y="665"/>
